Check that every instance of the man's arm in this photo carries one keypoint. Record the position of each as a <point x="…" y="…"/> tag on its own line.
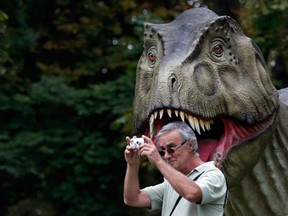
<point x="183" y="185"/>
<point x="133" y="196"/>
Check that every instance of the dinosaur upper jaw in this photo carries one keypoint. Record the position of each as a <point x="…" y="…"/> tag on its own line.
<point x="215" y="136"/>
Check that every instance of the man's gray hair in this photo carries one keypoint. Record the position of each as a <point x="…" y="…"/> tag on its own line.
<point x="185" y="131"/>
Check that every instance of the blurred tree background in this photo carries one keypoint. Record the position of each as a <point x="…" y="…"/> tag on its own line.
<point x="67" y="73"/>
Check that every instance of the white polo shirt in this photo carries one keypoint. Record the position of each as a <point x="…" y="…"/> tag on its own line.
<point x="213" y="186"/>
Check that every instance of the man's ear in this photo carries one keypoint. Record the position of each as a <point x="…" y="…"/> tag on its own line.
<point x="190" y="145"/>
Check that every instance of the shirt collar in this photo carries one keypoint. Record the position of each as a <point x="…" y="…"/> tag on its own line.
<point x="200" y="168"/>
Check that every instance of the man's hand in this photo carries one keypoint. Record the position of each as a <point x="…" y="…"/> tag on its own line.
<point x="149" y="149"/>
<point x="132" y="156"/>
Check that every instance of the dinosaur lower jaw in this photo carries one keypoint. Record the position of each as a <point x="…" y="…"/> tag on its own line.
<point x="215" y="136"/>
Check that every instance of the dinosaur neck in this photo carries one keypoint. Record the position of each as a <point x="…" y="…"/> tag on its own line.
<point x="269" y="175"/>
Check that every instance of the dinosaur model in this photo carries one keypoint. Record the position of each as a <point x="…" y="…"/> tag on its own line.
<point x="203" y="70"/>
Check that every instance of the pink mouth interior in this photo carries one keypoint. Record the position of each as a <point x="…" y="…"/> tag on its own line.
<point x="206" y="147"/>
<point x="234" y="133"/>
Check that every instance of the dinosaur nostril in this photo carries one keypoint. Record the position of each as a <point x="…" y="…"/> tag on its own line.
<point x="173" y="81"/>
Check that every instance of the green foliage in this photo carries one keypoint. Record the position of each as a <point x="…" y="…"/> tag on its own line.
<point x="4" y="57"/>
<point x="57" y="136"/>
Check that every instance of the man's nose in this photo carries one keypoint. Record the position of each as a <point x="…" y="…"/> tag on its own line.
<point x="167" y="155"/>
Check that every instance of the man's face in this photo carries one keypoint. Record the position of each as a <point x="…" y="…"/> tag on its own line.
<point x="178" y="158"/>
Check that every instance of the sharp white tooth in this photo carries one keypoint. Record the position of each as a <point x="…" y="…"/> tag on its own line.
<point x="151" y="125"/>
<point x="202" y="124"/>
<point x="207" y="125"/>
<point x="161" y="113"/>
<point x="151" y="119"/>
<point x="190" y="119"/>
<point x="197" y="125"/>
<point x="169" y="111"/>
<point x="182" y="115"/>
<point x="209" y="122"/>
<point x="155" y="114"/>
<point x="176" y="113"/>
<point x="186" y="116"/>
<point x="151" y="131"/>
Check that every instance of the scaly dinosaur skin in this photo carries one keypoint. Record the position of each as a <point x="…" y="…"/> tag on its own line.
<point x="202" y="69"/>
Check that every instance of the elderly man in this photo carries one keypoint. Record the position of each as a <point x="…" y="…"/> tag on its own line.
<point x="190" y="186"/>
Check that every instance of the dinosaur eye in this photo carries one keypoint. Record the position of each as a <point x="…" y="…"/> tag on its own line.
<point x="218" y="49"/>
<point x="152" y="56"/>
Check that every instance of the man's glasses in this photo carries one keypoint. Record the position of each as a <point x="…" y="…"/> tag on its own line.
<point x="171" y="149"/>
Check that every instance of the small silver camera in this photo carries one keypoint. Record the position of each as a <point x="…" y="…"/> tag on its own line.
<point x="136" y="142"/>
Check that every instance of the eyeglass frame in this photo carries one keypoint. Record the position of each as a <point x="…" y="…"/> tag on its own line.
<point x="171" y="149"/>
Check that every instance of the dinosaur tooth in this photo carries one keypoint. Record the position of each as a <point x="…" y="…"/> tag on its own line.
<point x="182" y="115"/>
<point x="176" y="113"/>
<point x="151" y="125"/>
<point x="151" y="130"/>
<point x="202" y="124"/>
<point x="191" y="122"/>
<point x="152" y="118"/>
<point x="207" y="125"/>
<point x="169" y="111"/>
<point x="197" y="125"/>
<point x="161" y="113"/>
<point x="155" y="114"/>
<point x="210" y="122"/>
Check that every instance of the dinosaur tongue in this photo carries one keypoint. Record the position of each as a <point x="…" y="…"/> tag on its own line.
<point x="207" y="149"/>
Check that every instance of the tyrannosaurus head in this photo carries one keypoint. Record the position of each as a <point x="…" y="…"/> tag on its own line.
<point x="203" y="70"/>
